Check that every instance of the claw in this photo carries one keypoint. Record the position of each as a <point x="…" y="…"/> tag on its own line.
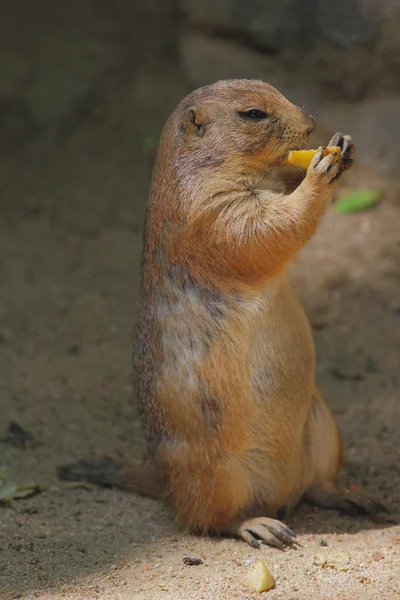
<point x="273" y="541"/>
<point x="333" y="162"/>
<point x="347" y="150"/>
<point x="280" y="534"/>
<point x="318" y="157"/>
<point x="347" y="163"/>
<point x="337" y="140"/>
<point x="250" y="539"/>
<point x="289" y="531"/>
<point x="267" y="531"/>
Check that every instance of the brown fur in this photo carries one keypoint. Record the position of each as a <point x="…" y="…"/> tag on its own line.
<point x="224" y="355"/>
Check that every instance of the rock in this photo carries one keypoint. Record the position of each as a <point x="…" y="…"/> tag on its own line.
<point x="348" y="24"/>
<point x="269" y="23"/>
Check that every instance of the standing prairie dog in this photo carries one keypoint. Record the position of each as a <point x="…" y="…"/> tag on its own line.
<point x="237" y="432"/>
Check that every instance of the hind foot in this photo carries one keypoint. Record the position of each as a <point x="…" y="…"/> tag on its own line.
<point x="265" y="530"/>
<point x="351" y="502"/>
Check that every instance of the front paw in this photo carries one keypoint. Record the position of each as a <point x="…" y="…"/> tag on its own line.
<point x="348" y="151"/>
<point x="322" y="169"/>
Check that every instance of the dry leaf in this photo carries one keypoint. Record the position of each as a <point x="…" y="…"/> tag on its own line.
<point x="78" y="485"/>
<point x="335" y="560"/>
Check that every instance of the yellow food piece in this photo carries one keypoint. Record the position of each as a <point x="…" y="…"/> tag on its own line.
<point x="302" y="158"/>
<point x="258" y="577"/>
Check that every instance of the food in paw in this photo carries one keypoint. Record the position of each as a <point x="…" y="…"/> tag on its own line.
<point x="302" y="158"/>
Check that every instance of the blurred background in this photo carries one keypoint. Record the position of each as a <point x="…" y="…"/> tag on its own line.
<point x="85" y="87"/>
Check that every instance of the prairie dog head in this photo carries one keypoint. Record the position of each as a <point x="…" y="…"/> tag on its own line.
<point x="237" y="123"/>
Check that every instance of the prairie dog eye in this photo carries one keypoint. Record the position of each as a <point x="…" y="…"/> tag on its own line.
<point x="254" y="114"/>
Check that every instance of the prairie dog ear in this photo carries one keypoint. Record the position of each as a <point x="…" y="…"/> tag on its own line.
<point x="197" y="121"/>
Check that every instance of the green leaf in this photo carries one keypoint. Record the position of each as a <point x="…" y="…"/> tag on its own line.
<point x="10" y="491"/>
<point x="7" y="490"/>
<point x="27" y="489"/>
<point x="357" y="201"/>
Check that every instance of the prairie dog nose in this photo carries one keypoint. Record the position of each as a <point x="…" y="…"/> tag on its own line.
<point x="309" y="122"/>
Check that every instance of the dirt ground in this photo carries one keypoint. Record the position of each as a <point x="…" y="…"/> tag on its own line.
<point x="68" y="290"/>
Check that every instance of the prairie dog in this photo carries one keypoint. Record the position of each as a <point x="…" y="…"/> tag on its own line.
<point x="237" y="432"/>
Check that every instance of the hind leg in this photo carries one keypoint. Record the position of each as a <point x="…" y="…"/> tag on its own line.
<point x="212" y="493"/>
<point x="330" y="495"/>
<point x="325" y="490"/>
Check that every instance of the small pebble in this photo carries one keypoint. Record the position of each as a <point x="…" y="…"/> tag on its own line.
<point x="377" y="556"/>
<point x="192" y="561"/>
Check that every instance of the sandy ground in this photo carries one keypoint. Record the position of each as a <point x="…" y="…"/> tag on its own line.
<point x="67" y="307"/>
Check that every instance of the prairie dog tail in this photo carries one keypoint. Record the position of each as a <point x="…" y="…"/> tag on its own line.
<point x="137" y="477"/>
